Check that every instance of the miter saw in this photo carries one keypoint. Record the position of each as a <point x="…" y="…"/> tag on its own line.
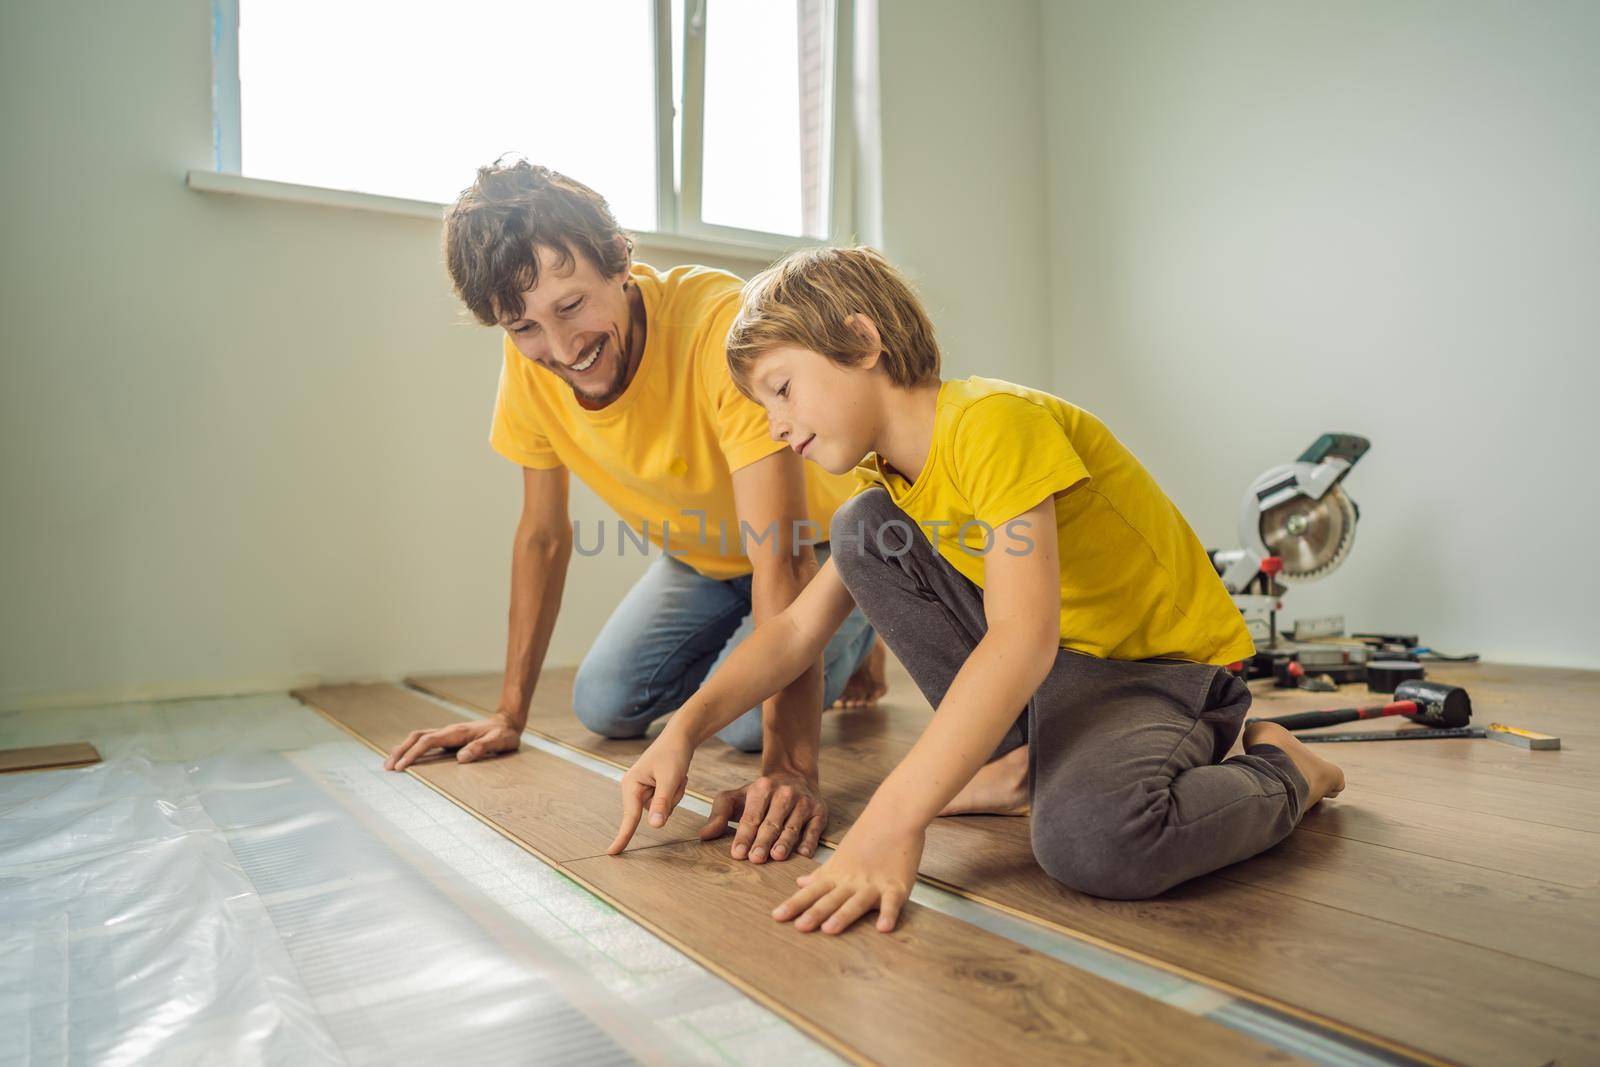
<point x="1298" y="526"/>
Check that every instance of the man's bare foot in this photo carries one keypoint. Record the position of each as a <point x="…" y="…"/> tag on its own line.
<point x="1324" y="778"/>
<point x="870" y="680"/>
<point x="999" y="788"/>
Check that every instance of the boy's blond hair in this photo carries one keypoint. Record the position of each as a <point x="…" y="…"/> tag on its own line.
<point x="804" y="300"/>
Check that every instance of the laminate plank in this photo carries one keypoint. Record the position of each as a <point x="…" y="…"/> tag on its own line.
<point x="860" y="746"/>
<point x="1573" y="772"/>
<point x="46" y="757"/>
<point x="547" y="802"/>
<point x="1481" y="793"/>
<point x="1535" y="920"/>
<point x="937" y="990"/>
<point x="1549" y="853"/>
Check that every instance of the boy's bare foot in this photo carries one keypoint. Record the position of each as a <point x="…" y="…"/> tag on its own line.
<point x="999" y="788"/>
<point x="1324" y="778"/>
<point x="870" y="680"/>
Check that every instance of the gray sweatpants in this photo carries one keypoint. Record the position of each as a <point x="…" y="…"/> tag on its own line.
<point x="1131" y="793"/>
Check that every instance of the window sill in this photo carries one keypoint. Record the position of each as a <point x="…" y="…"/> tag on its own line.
<point x="754" y="251"/>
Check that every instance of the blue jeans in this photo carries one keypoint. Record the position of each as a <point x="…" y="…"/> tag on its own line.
<point x="670" y="632"/>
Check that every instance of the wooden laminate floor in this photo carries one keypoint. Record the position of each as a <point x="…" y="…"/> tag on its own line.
<point x="1448" y="904"/>
<point x="937" y="990"/>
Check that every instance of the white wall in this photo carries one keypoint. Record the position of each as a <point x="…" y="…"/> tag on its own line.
<point x="963" y="176"/>
<point x="243" y="443"/>
<point x="1271" y="219"/>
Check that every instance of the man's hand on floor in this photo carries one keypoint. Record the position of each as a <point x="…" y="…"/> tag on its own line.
<point x="778" y="814"/>
<point x="475" y="739"/>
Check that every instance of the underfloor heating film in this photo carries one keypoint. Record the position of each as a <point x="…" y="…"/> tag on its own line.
<point x="650" y="999"/>
<point x="401" y="962"/>
<point x="133" y="937"/>
<point x="232" y="910"/>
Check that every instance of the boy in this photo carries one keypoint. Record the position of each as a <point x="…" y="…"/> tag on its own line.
<point x="1017" y="558"/>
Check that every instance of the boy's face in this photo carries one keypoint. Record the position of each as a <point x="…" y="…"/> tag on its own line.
<point x="575" y="324"/>
<point x="822" y="410"/>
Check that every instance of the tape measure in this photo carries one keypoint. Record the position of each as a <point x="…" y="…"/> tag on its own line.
<point x="1428" y="733"/>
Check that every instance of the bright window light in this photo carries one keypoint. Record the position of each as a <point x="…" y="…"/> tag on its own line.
<point x="752" y="135"/>
<point x="410" y="99"/>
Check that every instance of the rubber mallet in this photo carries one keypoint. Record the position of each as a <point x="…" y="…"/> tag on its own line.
<point x="1422" y="701"/>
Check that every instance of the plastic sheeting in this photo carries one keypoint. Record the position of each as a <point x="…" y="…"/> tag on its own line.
<point x="237" y="909"/>
<point x="131" y="934"/>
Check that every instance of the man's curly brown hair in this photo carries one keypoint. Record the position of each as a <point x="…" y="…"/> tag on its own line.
<point x="493" y="232"/>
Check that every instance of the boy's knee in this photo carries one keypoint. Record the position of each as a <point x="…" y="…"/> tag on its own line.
<point x="1102" y="864"/>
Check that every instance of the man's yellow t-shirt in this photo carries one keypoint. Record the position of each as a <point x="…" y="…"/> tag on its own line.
<point x="665" y="449"/>
<point x="1135" y="581"/>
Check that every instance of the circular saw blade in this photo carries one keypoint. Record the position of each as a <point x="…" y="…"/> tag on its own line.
<point x="1312" y="537"/>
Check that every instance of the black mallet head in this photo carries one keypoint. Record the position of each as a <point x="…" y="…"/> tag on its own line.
<point x="1437" y="704"/>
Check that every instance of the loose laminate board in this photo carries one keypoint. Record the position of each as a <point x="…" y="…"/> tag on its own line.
<point x="937" y="990"/>
<point x="48" y="757"/>
<point x="1396" y="913"/>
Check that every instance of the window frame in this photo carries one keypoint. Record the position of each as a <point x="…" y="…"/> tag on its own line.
<point x="678" y="210"/>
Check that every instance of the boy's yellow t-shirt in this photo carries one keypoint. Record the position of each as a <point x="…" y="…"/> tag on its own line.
<point x="1135" y="581"/>
<point x="664" y="449"/>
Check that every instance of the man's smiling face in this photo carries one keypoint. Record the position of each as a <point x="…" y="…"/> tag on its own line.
<point x="576" y="323"/>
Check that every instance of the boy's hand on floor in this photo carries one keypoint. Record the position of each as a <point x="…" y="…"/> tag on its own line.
<point x="779" y="815"/>
<point x="474" y="740"/>
<point x="871" y="870"/>
<point x="655" y="781"/>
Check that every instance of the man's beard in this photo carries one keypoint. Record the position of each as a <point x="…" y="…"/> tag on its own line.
<point x="619" y="380"/>
<point x="615" y="388"/>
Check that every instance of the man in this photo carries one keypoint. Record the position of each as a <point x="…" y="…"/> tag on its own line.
<point x="617" y="372"/>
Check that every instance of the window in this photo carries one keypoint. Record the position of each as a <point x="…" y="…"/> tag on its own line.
<point x="711" y="118"/>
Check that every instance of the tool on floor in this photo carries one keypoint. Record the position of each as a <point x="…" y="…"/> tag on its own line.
<point x="1385" y="675"/>
<point x="1296" y="525"/>
<point x="1427" y="734"/>
<point x="1292" y="673"/>
<point x="1515" y="735"/>
<point x="1429" y="703"/>
<point x="1319" y="683"/>
<point x="1313" y="666"/>
<point x="1406" y="646"/>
